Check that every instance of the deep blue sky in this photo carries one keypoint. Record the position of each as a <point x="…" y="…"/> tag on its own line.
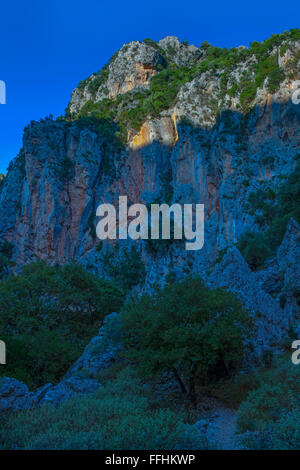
<point x="47" y="47"/>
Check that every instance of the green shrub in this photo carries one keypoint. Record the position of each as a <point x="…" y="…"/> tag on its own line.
<point x="286" y="432"/>
<point x="40" y="357"/>
<point x="271" y="411"/>
<point x="99" y="80"/>
<point x="64" y="169"/>
<point x="120" y="415"/>
<point x="247" y="96"/>
<point x="187" y="329"/>
<point x="275" y="210"/>
<point x="254" y="248"/>
<point x="125" y="267"/>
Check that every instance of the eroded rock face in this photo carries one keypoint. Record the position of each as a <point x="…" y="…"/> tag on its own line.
<point x="202" y="149"/>
<point x="48" y="201"/>
<point x="181" y="53"/>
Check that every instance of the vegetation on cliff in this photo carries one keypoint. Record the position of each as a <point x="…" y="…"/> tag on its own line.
<point x="131" y="109"/>
<point x="269" y="416"/>
<point x="122" y="414"/>
<point x="272" y="211"/>
<point x="47" y="315"/>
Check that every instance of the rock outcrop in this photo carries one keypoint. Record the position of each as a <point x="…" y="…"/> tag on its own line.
<point x="83" y="377"/>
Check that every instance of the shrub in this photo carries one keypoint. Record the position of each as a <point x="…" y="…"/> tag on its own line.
<point x="276" y="209"/>
<point x="126" y="267"/>
<point x="286" y="432"/>
<point x="187" y="329"/>
<point x="50" y="312"/>
<point x="99" y="80"/>
<point x="39" y="358"/>
<point x="247" y="96"/>
<point x="271" y="411"/>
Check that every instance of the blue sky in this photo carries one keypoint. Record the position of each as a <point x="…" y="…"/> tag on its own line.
<point x="47" y="47"/>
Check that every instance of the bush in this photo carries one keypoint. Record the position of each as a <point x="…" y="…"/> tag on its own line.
<point x="120" y="415"/>
<point x="187" y="329"/>
<point x="254" y="248"/>
<point x="6" y="251"/>
<point x="286" y="433"/>
<point x="64" y="169"/>
<point x="48" y="314"/>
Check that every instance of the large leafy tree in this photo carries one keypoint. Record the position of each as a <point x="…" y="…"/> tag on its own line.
<point x="188" y="329"/>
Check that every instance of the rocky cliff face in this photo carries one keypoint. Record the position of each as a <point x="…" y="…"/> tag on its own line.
<point x="227" y="129"/>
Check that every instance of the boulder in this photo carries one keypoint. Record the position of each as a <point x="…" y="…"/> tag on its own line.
<point x="101" y="351"/>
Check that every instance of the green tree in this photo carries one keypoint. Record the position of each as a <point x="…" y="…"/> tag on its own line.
<point x="275" y="210"/>
<point x="6" y="251"/>
<point x="188" y="329"/>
